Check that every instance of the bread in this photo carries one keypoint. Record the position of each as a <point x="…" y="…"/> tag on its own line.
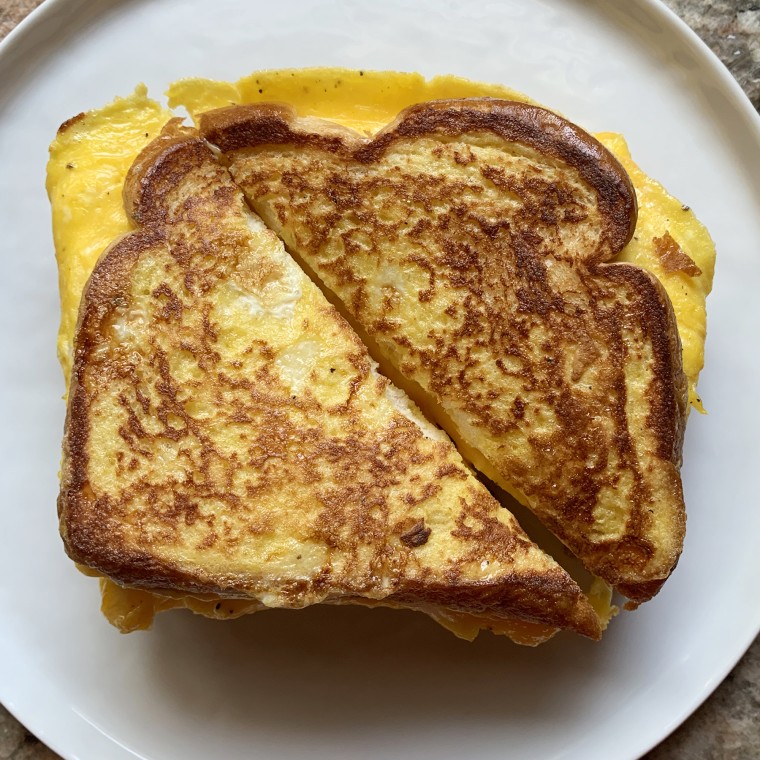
<point x="228" y="436"/>
<point x="469" y="243"/>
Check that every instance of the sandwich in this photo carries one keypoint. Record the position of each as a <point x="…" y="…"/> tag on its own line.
<point x="87" y="174"/>
<point x="228" y="436"/>
<point x="470" y="242"/>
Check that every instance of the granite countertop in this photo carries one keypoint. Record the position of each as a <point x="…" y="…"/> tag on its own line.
<point x="727" y="726"/>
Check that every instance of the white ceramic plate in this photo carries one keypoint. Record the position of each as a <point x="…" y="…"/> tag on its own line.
<point x="337" y="683"/>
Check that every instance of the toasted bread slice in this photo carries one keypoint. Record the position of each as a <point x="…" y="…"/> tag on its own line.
<point x="228" y="435"/>
<point x="468" y="241"/>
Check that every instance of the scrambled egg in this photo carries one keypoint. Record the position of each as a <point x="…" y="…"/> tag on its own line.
<point x="89" y="160"/>
<point x="90" y="157"/>
<point x="676" y="247"/>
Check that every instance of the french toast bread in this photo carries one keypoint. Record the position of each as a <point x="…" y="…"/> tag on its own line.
<point x="469" y="242"/>
<point x="228" y="435"/>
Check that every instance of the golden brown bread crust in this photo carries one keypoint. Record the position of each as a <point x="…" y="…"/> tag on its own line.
<point x="388" y="512"/>
<point x="249" y="126"/>
<point x="471" y="240"/>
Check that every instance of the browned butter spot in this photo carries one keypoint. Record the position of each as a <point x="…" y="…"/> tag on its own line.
<point x="673" y="258"/>
<point x="416" y="536"/>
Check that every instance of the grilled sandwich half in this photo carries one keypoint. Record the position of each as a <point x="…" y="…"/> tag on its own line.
<point x="229" y="438"/>
<point x="469" y="242"/>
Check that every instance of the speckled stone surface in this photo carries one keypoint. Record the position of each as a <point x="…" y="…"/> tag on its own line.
<point x="732" y="29"/>
<point x="727" y="726"/>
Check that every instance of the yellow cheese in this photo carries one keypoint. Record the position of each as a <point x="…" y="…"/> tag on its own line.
<point x="89" y="159"/>
<point x="661" y="214"/>
<point x="133" y="610"/>
<point x="91" y="155"/>
<point x="361" y="100"/>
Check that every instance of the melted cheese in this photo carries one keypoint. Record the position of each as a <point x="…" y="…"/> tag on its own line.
<point x="661" y="213"/>
<point x="89" y="160"/>
<point x="132" y="610"/>
<point x="362" y="100"/>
